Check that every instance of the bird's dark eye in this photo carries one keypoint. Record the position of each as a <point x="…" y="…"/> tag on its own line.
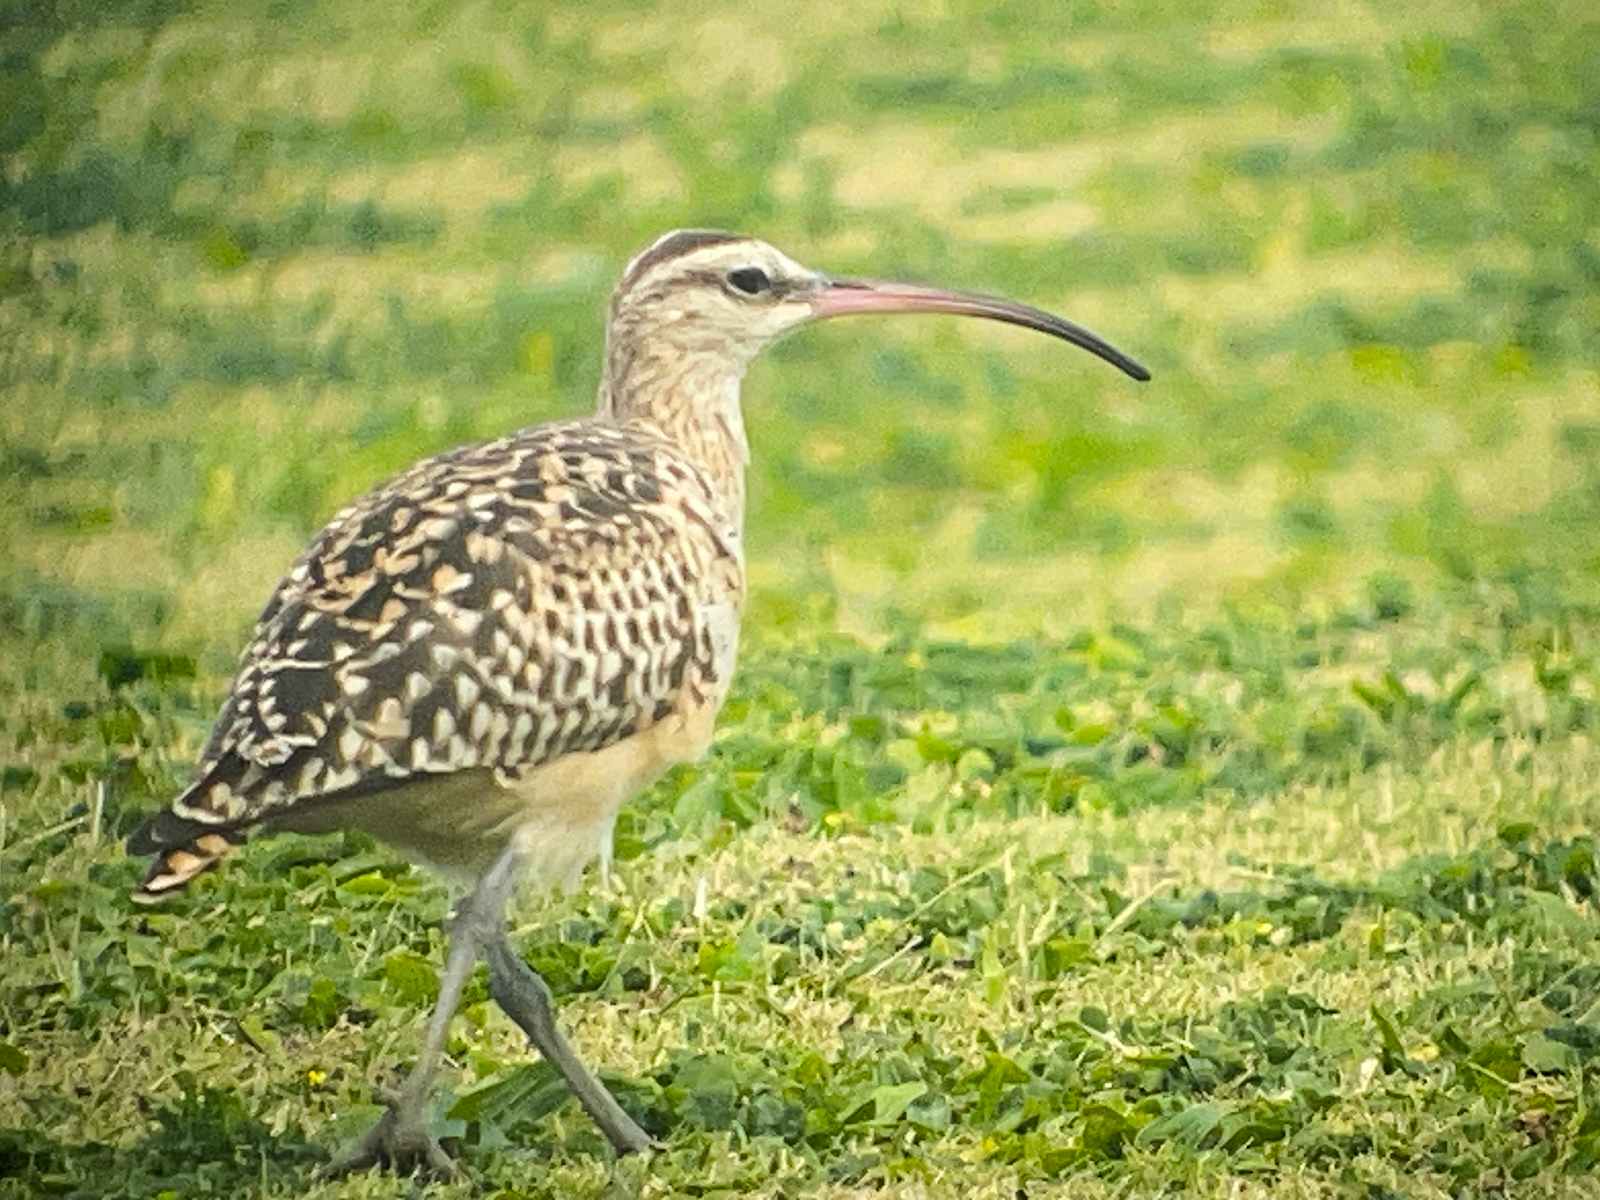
<point x="752" y="281"/>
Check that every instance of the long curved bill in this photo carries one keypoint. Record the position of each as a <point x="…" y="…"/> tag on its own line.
<point x="841" y="297"/>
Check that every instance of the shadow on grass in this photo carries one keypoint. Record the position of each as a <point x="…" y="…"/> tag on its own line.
<point x="206" y="1144"/>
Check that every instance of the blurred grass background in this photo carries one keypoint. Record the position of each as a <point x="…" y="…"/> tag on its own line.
<point x="254" y="260"/>
<point x="1257" y="699"/>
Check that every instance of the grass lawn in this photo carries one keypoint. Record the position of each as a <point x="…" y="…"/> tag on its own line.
<point x="1184" y="789"/>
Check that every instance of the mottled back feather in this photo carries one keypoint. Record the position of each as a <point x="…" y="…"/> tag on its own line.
<point x="498" y="606"/>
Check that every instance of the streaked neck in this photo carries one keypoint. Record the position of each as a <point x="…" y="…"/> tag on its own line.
<point x="693" y="400"/>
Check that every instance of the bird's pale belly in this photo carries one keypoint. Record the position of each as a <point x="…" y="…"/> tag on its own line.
<point x="559" y="815"/>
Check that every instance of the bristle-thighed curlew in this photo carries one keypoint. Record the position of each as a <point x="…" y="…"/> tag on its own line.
<point x="483" y="659"/>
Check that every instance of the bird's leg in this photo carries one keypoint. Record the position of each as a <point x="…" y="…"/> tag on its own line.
<point x="525" y="998"/>
<point x="400" y="1139"/>
<point x="518" y="989"/>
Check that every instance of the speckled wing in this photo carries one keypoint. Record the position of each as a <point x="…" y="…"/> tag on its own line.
<point x="499" y="606"/>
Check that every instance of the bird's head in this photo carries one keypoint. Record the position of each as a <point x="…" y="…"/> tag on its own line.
<point x="697" y="293"/>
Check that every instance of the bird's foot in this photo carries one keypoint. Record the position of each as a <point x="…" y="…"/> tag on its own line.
<point x="399" y="1142"/>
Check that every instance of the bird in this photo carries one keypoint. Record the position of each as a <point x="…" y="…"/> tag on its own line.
<point x="481" y="660"/>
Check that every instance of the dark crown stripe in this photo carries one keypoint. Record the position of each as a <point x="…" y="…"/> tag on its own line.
<point x="670" y="247"/>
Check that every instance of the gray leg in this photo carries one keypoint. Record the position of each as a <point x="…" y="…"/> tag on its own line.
<point x="400" y="1139"/>
<point x="525" y="997"/>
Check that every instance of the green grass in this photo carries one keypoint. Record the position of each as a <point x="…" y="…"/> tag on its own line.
<point x="1182" y="789"/>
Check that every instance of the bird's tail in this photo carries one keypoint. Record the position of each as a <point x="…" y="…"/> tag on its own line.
<point x="183" y="847"/>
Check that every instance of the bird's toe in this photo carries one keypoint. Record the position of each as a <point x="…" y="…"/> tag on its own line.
<point x="398" y="1142"/>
